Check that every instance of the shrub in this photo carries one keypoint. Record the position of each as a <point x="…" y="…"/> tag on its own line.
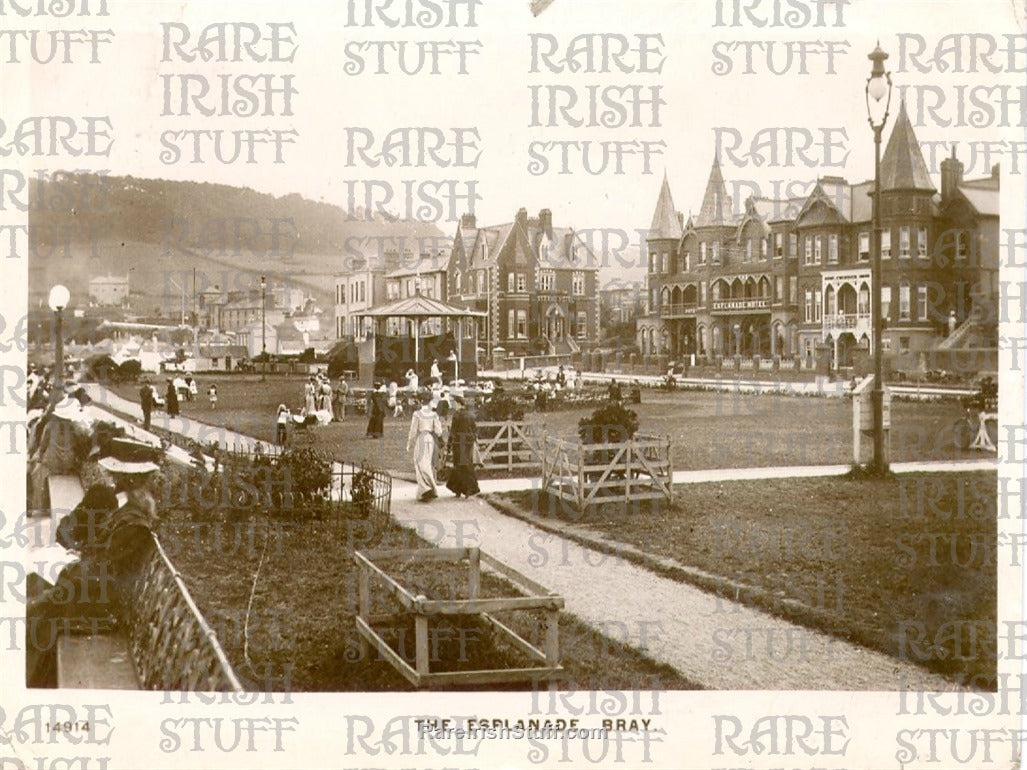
<point x="612" y="423"/>
<point x="129" y="371"/>
<point x="309" y="470"/>
<point x="362" y="490"/>
<point x="500" y="408"/>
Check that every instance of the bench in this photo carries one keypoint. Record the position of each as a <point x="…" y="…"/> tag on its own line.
<point x="165" y="644"/>
<point x="65" y="493"/>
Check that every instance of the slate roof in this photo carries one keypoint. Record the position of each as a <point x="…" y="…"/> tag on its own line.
<point x="902" y="164"/>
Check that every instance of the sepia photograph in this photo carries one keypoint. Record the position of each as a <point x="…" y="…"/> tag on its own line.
<point x="495" y="383"/>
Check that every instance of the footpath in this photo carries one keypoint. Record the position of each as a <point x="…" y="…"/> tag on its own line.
<point x="715" y="642"/>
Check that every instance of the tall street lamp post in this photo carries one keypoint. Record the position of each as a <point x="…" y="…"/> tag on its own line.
<point x="878" y="99"/>
<point x="58" y="300"/>
<point x="263" y="327"/>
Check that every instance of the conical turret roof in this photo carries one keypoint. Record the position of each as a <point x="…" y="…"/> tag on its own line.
<point x="716" y="205"/>
<point x="665" y="218"/>
<point x="902" y="165"/>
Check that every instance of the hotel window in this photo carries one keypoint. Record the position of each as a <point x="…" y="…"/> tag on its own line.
<point x="793" y="289"/>
<point x="362" y="294"/>
<point x="522" y="324"/>
<point x="688" y="261"/>
<point x="809" y="306"/>
<point x="886" y="244"/>
<point x="521" y="282"/>
<point x="546" y="278"/>
<point x="793" y="246"/>
<point x="832" y="249"/>
<point x="578" y="284"/>
<point x="702" y="292"/>
<point x="962" y="244"/>
<point x="864" y="247"/>
<point x="903" y="301"/>
<point x="818" y="249"/>
<point x="921" y="302"/>
<point x="582" y="324"/>
<point x="779" y="288"/>
<point x="863" y="307"/>
<point x="885" y="301"/>
<point x="664" y="263"/>
<point x="748" y="251"/>
<point x="921" y="242"/>
<point x="904" y="242"/>
<point x="716" y="252"/>
<point x="716" y="290"/>
<point x="471" y="283"/>
<point x="511" y="324"/>
<point x="779" y="245"/>
<point x="818" y="304"/>
<point x="456" y="280"/>
<point x="702" y="253"/>
<point x="832" y="302"/>
<point x="807" y="244"/>
<point x="763" y="247"/>
<point x="510" y="281"/>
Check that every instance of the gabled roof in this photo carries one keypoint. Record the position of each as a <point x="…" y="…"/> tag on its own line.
<point x="984" y="201"/>
<point x="902" y="165"/>
<point x="665" y="222"/>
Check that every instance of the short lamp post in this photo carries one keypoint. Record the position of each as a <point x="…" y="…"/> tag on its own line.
<point x="878" y="99"/>
<point x="58" y="300"/>
<point x="263" y="328"/>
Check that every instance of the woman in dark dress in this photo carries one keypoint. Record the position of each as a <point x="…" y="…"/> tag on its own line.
<point x="377" y="403"/>
<point x="463" y="433"/>
<point x="171" y="400"/>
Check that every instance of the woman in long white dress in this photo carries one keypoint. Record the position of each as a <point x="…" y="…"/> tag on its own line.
<point x="425" y="433"/>
<point x="309" y="406"/>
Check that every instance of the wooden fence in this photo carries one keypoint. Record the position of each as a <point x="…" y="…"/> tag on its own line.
<point x="592" y="474"/>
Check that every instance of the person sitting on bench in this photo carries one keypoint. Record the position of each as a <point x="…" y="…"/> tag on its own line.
<point x="94" y="591"/>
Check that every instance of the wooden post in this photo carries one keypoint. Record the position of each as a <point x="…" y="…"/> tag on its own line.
<point x="552" y="637"/>
<point x="421" y="644"/>
<point x="473" y="573"/>
<point x="856" y="429"/>
<point x="670" y="473"/>
<point x="628" y="472"/>
<point x="579" y="493"/>
<point x="509" y="445"/>
<point x="364" y="601"/>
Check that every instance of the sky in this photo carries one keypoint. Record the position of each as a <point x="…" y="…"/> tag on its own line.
<point x="818" y="99"/>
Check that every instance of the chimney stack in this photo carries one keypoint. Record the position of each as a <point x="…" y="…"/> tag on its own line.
<point x="468" y="222"/>
<point x="951" y="176"/>
<point x="545" y="221"/>
<point x="522" y="217"/>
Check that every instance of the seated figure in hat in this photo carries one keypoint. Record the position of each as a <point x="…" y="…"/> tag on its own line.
<point x="61" y="439"/>
<point x="113" y="546"/>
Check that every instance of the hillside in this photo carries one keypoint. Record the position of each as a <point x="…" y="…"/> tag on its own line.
<point x="82" y="225"/>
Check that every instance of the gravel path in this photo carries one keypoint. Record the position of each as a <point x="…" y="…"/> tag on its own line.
<point x="717" y="643"/>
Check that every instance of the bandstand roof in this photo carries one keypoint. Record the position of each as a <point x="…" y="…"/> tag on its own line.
<point x="420" y="307"/>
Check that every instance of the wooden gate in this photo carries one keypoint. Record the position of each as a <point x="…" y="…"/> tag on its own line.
<point x="592" y="474"/>
<point x="508" y="445"/>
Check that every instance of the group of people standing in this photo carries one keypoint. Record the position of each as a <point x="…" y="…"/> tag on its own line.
<point x="178" y="389"/>
<point x="429" y="439"/>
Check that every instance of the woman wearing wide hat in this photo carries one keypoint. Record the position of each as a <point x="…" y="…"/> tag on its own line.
<point x="425" y="433"/>
<point x="94" y="591"/>
<point x="59" y="436"/>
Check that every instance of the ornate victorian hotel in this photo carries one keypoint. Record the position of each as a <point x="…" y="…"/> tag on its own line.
<point x="792" y="277"/>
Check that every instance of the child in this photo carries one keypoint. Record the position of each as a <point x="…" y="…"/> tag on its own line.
<point x="212" y="394"/>
<point x="282" y="425"/>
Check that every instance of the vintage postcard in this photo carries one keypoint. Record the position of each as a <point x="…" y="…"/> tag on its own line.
<point x="513" y="384"/>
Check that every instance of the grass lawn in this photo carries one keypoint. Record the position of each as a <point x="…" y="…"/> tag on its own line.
<point x="707" y="430"/>
<point x="301" y="635"/>
<point x="904" y="565"/>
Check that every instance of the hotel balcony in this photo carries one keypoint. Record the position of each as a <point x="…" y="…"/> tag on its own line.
<point x="678" y="309"/>
<point x="847" y="322"/>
